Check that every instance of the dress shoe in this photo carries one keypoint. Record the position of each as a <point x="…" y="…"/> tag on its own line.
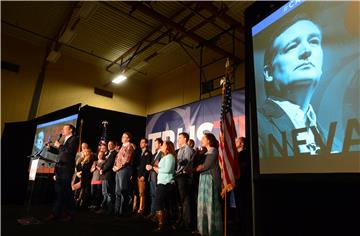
<point x="66" y="218"/>
<point x="100" y="211"/>
<point x="51" y="217"/>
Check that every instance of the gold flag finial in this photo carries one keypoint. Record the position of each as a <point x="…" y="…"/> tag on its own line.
<point x="227" y="64"/>
<point x="222" y="81"/>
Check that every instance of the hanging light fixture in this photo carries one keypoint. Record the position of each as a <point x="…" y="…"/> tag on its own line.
<point x="120" y="78"/>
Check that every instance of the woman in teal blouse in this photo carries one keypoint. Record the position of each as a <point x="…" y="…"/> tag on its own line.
<point x="165" y="181"/>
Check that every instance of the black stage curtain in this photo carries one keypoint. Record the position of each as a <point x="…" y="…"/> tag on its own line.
<point x="16" y="143"/>
<point x="118" y="123"/>
<point x="307" y="207"/>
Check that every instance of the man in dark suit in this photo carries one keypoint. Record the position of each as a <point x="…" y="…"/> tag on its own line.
<point x="153" y="175"/>
<point x="242" y="190"/>
<point x="292" y="71"/>
<point x="108" y="180"/>
<point x="143" y="159"/>
<point x="64" y="170"/>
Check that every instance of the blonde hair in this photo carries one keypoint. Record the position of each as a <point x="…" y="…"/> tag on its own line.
<point x="85" y="158"/>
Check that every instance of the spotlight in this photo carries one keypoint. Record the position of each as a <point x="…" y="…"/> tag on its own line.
<point x="118" y="79"/>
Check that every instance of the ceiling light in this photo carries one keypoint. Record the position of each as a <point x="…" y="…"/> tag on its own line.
<point x="53" y="56"/>
<point x="118" y="79"/>
<point x="67" y="36"/>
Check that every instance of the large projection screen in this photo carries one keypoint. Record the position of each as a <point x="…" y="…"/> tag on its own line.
<point x="49" y="132"/>
<point x="305" y="58"/>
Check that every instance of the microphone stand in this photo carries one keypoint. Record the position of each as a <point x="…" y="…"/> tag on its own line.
<point x="30" y="220"/>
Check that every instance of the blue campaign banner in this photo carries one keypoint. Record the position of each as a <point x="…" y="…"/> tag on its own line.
<point x="195" y="119"/>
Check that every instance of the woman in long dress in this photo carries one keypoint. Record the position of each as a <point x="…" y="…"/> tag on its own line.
<point x="83" y="167"/>
<point x="209" y="217"/>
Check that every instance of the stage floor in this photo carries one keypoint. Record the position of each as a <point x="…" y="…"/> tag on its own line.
<point x="84" y="223"/>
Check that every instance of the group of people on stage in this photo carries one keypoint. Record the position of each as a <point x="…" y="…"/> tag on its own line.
<point x="184" y="185"/>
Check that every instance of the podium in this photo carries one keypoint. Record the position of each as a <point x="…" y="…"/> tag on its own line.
<point x="35" y="158"/>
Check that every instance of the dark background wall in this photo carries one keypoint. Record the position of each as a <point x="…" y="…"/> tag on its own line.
<point x="300" y="206"/>
<point x="16" y="143"/>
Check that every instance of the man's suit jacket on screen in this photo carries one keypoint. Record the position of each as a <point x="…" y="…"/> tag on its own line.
<point x="272" y="120"/>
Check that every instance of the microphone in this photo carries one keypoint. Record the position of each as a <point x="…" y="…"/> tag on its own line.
<point x="58" y="139"/>
<point x="60" y="135"/>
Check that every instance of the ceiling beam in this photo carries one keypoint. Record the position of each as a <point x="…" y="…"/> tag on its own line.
<point x="122" y="12"/>
<point x="211" y="20"/>
<point x="167" y="21"/>
<point x="177" y="38"/>
<point x="146" y="38"/>
<point x="222" y="15"/>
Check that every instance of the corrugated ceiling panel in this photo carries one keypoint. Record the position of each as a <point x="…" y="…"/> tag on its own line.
<point x="221" y="24"/>
<point x="208" y="31"/>
<point x="109" y="33"/>
<point x="42" y="17"/>
<point x="84" y="57"/>
<point x="194" y="21"/>
<point x="166" y="8"/>
<point x="146" y="54"/>
<point x="23" y="35"/>
<point x="236" y="9"/>
<point x="147" y="21"/>
<point x="165" y="62"/>
<point x="181" y="15"/>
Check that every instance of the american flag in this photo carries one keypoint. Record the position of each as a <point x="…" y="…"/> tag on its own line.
<point x="104" y="133"/>
<point x="227" y="149"/>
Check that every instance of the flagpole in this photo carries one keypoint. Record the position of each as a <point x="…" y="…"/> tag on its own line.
<point x="227" y="125"/>
<point x="80" y="134"/>
<point x="225" y="215"/>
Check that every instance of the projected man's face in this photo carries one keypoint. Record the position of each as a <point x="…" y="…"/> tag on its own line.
<point x="298" y="55"/>
<point x="40" y="140"/>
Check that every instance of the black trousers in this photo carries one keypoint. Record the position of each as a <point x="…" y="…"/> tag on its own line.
<point x="184" y="187"/>
<point x="64" y="202"/>
<point x="243" y="206"/>
<point x="85" y="194"/>
<point x="96" y="194"/>
<point x="165" y="195"/>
